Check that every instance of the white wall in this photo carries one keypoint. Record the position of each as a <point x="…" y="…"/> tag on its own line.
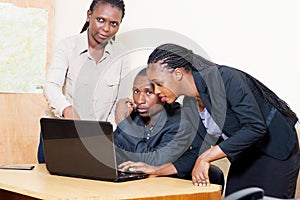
<point x="260" y="37"/>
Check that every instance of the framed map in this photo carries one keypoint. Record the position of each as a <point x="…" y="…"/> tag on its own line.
<point x="23" y="48"/>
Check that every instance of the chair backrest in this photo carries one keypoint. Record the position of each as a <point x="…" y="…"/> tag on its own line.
<point x="216" y="176"/>
<point x="253" y="193"/>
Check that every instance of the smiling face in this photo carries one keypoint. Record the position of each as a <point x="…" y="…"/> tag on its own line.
<point x="146" y="101"/>
<point x="165" y="82"/>
<point x="104" y="23"/>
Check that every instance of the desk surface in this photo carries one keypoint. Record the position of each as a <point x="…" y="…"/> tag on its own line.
<point x="39" y="184"/>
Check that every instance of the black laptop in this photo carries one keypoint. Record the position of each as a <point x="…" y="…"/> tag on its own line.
<point x="82" y="148"/>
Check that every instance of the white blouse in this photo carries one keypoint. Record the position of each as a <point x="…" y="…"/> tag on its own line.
<point x="211" y="127"/>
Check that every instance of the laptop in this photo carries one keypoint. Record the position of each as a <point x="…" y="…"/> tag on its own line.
<point x="83" y="149"/>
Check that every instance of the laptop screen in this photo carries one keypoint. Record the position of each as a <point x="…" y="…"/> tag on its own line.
<point x="79" y="148"/>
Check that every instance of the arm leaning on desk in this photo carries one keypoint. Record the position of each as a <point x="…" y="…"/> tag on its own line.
<point x="39" y="184"/>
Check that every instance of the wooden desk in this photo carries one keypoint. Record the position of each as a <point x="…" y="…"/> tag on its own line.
<point x="39" y="184"/>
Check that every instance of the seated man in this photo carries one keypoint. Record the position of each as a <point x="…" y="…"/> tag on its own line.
<point x="154" y="137"/>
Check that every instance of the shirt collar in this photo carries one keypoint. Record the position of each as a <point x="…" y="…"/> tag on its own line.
<point x="157" y="124"/>
<point x="83" y="45"/>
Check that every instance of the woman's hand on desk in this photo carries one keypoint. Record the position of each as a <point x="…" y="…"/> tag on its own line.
<point x="200" y="173"/>
<point x="201" y="167"/>
<point x="162" y="170"/>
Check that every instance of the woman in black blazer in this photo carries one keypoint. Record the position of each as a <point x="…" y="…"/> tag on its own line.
<point x="237" y="117"/>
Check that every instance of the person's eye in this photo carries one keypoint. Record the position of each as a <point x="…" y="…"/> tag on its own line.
<point x="135" y="91"/>
<point x="149" y="92"/>
<point x="100" y="20"/>
<point x="114" y="24"/>
<point x="158" y="84"/>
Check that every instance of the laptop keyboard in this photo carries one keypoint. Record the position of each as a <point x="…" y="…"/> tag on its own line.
<point x="131" y="175"/>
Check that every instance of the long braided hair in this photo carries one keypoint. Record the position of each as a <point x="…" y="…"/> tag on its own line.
<point x="176" y="56"/>
<point x="114" y="3"/>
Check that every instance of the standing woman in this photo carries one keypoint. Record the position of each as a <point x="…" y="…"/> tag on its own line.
<point x="80" y="60"/>
<point x="82" y="65"/>
<point x="254" y="127"/>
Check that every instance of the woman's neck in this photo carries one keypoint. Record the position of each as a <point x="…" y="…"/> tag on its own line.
<point x="194" y="91"/>
<point x="96" y="49"/>
<point x="201" y="105"/>
<point x="96" y="53"/>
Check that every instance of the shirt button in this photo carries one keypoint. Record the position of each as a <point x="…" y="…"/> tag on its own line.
<point x="191" y="147"/>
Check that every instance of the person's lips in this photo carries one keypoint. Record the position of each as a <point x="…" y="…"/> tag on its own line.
<point x="142" y="110"/>
<point x="163" y="99"/>
<point x="103" y="37"/>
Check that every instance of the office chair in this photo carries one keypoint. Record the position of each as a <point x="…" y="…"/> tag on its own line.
<point x="216" y="176"/>
<point x="252" y="193"/>
<point x="40" y="151"/>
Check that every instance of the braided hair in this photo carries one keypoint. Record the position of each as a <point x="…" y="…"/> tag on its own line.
<point x="114" y="3"/>
<point x="274" y="100"/>
<point x="176" y="56"/>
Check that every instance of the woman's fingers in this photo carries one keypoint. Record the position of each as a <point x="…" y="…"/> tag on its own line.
<point x="200" y="173"/>
<point x="197" y="181"/>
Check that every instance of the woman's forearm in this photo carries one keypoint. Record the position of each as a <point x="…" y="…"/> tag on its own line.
<point x="212" y="154"/>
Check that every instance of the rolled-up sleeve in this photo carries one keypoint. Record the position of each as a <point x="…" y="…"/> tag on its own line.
<point x="55" y="80"/>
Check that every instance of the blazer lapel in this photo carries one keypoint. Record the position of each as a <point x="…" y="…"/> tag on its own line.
<point x="202" y="89"/>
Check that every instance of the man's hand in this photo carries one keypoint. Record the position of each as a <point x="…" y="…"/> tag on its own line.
<point x="124" y="108"/>
<point x="137" y="167"/>
<point x="161" y="170"/>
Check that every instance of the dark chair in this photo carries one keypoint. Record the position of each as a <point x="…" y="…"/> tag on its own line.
<point x="40" y="152"/>
<point x="252" y="193"/>
<point x="216" y="176"/>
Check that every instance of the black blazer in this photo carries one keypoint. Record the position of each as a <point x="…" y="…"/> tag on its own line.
<point x="238" y="107"/>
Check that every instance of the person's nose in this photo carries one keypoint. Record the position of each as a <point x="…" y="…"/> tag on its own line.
<point x="156" y="90"/>
<point x="142" y="98"/>
<point x="106" y="27"/>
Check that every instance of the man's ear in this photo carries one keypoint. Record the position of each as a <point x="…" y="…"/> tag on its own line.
<point x="178" y="74"/>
